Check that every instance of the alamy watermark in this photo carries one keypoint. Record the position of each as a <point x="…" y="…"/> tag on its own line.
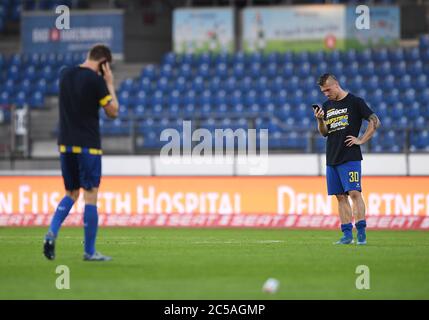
<point x="204" y="147"/>
<point x="363" y="280"/>
<point x="363" y="21"/>
<point x="62" y="22"/>
<point x="62" y="282"/>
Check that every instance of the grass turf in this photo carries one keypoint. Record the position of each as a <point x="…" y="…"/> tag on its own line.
<point x="215" y="264"/>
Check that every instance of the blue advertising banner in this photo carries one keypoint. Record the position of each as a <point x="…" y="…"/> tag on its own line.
<point x="39" y="33"/>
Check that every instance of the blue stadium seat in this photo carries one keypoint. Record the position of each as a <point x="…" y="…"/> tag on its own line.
<point x="163" y="84"/>
<point x="42" y="86"/>
<point x="424" y="41"/>
<point x="382" y="110"/>
<point x="13" y="73"/>
<point x="424" y="55"/>
<point x="419" y="123"/>
<point x="36" y="99"/>
<point x="399" y="69"/>
<point x="127" y="85"/>
<point x="273" y="58"/>
<point x="239" y="58"/>
<point x="292" y="84"/>
<point x="364" y="56"/>
<point x="287" y="70"/>
<point x="321" y="68"/>
<point x="336" y="68"/>
<point x="375" y="96"/>
<point x="262" y="84"/>
<point x="197" y="84"/>
<point x="383" y="69"/>
<point x="380" y="55"/>
<point x="246" y="84"/>
<point x="397" y="111"/>
<point x="387" y="83"/>
<point x="139" y="111"/>
<point x="371" y="84"/>
<point x="304" y="69"/>
<point x="316" y="57"/>
<point x="239" y="71"/>
<point x="169" y="58"/>
<point x="396" y="55"/>
<point x="189" y="110"/>
<point x="348" y="57"/>
<point x="272" y="70"/>
<point x="300" y="57"/>
<point x="367" y="69"/>
<point x="265" y="98"/>
<point x="411" y="54"/>
<point x="413" y="111"/>
<point x="141" y="97"/>
<point x="332" y="57"/>
<point x="174" y="98"/>
<point x="221" y="70"/>
<point x="409" y="97"/>
<point x="287" y="57"/>
<point x="284" y="111"/>
<point x="181" y="84"/>
<point x="404" y="82"/>
<point x="282" y="97"/>
<point x="149" y="72"/>
<point x="254" y="70"/>
<point x="277" y="84"/>
<point x="167" y="71"/>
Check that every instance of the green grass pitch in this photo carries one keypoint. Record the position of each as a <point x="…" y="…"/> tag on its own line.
<point x="215" y="264"/>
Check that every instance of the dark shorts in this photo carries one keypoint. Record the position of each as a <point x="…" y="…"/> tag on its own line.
<point x="80" y="170"/>
<point x="344" y="177"/>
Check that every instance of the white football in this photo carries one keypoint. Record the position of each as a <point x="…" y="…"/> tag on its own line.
<point x="271" y="285"/>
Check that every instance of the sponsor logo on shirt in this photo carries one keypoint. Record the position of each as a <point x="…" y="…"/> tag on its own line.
<point x="337" y="119"/>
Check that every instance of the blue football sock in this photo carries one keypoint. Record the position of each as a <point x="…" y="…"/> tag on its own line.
<point x="90" y="220"/>
<point x="61" y="213"/>
<point x="347" y="230"/>
<point x="360" y="226"/>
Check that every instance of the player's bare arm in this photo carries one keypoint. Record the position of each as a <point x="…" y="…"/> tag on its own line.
<point x="374" y="124"/>
<point x="321" y="125"/>
<point x="111" y="109"/>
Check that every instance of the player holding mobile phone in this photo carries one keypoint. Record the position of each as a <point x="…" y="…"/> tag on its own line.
<point x="340" y="119"/>
<point x="83" y="90"/>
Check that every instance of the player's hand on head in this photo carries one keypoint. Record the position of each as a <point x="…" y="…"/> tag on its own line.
<point x="108" y="75"/>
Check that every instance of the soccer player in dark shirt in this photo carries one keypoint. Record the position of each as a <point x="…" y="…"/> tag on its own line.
<point x="83" y="90"/>
<point x="340" y="119"/>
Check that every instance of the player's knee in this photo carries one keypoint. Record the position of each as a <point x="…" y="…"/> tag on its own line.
<point x="341" y="197"/>
<point x="90" y="196"/>
<point x="74" y="194"/>
<point x="355" y="195"/>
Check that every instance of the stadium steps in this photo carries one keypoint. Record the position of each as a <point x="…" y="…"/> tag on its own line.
<point x="9" y="44"/>
<point x="124" y="70"/>
<point x="43" y="124"/>
<point x="44" y="121"/>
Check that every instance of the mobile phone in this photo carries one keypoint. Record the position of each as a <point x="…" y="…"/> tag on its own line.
<point x="101" y="67"/>
<point x="315" y="106"/>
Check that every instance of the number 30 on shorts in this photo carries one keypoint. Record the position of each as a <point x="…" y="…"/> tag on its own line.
<point x="354" y="176"/>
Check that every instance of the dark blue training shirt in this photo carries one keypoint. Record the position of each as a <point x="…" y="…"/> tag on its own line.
<point x="344" y="118"/>
<point x="82" y="92"/>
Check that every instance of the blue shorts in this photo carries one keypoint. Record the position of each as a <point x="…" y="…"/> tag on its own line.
<point x="344" y="177"/>
<point x="80" y="170"/>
